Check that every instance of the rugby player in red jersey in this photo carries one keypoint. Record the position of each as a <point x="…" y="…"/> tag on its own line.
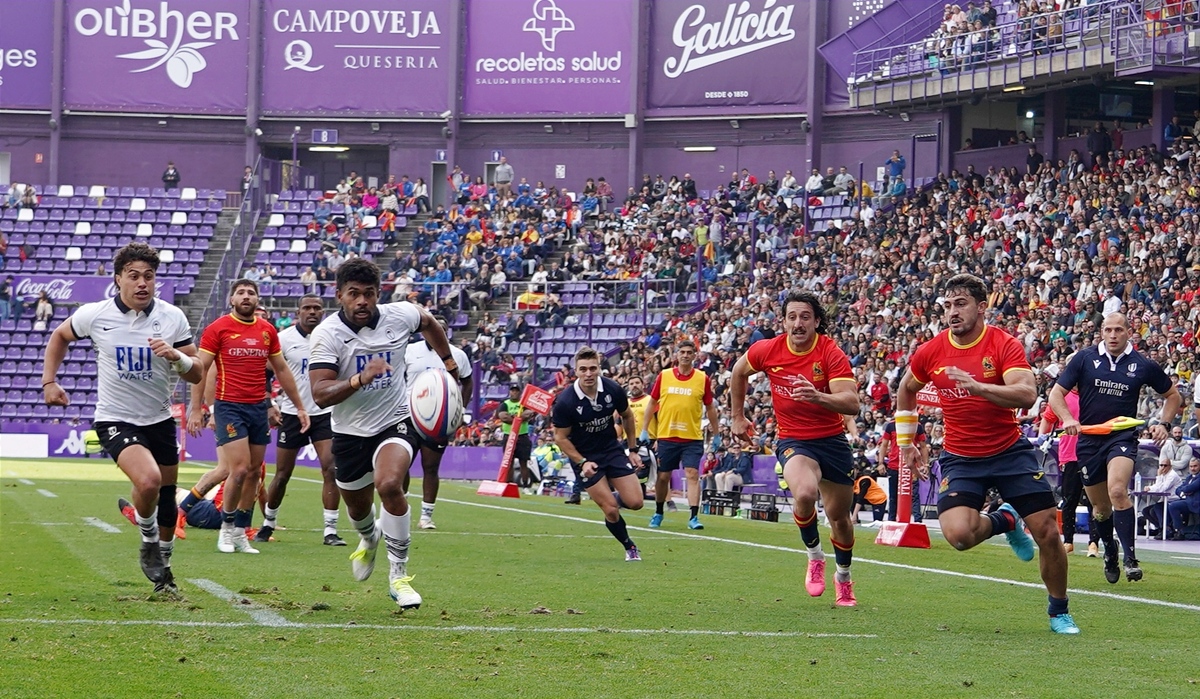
<point x="982" y="378"/>
<point x="812" y="387"/>
<point x="239" y="346"/>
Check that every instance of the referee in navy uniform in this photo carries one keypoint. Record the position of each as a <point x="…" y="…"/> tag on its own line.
<point x="584" y="417"/>
<point x="1110" y="378"/>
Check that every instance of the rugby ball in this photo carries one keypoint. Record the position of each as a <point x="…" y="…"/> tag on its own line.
<point x="436" y="405"/>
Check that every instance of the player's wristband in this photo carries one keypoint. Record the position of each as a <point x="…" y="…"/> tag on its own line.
<point x="182" y="365"/>
<point x="906" y="427"/>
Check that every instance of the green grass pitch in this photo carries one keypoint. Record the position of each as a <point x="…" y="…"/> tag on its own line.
<point x="532" y="598"/>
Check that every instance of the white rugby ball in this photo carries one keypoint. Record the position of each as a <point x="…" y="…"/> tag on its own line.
<point x="436" y="404"/>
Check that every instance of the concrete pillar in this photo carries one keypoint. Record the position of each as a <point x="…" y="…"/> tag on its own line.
<point x="638" y="87"/>
<point x="1162" y="109"/>
<point x="458" y="31"/>
<point x="56" y="87"/>
<point x="1054" y="125"/>
<point x="815" y="94"/>
<point x="253" y="80"/>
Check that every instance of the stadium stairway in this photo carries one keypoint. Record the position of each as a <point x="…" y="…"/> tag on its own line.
<point x="195" y="302"/>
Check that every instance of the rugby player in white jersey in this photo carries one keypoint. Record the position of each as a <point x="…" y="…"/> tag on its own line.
<point x="142" y="345"/>
<point x="289" y="437"/>
<point x="356" y="364"/>
<point x="419" y="357"/>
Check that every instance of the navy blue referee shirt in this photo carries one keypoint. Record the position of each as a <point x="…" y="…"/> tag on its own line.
<point x="592" y="423"/>
<point x="1109" y="386"/>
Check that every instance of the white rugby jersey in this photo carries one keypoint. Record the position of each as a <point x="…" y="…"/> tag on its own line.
<point x="420" y="356"/>
<point x="344" y="347"/>
<point x="134" y="385"/>
<point x="295" y="352"/>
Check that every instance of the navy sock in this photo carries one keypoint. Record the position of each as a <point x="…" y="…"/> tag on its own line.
<point x="228" y="517"/>
<point x="1124" y="524"/>
<point x="658" y="507"/>
<point x="1002" y="522"/>
<point x="619" y="532"/>
<point x="242" y="518"/>
<point x="695" y="512"/>
<point x="190" y="500"/>
<point x="1057" y="606"/>
<point x="842" y="553"/>
<point x="809" y="534"/>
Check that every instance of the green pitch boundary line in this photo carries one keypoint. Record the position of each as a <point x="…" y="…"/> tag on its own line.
<point x="857" y="559"/>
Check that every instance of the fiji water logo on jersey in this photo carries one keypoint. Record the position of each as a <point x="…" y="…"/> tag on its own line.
<point x="135" y="363"/>
<point x="382" y="381"/>
<point x="989" y="368"/>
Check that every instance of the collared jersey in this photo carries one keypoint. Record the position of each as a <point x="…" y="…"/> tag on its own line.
<point x="592" y="422"/>
<point x="295" y="347"/>
<point x="419" y="356"/>
<point x="134" y="385"/>
<point x="341" y="346"/>
<point x="242" y="351"/>
<point x="638" y="406"/>
<point x="975" y="426"/>
<point x="1110" y="387"/>
<point x="681" y="400"/>
<point x="822" y="364"/>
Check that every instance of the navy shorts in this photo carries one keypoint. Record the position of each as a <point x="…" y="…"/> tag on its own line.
<point x="1015" y="472"/>
<point x="289" y="436"/>
<point x="832" y="454"/>
<point x="611" y="465"/>
<point x="205" y="515"/>
<point x="672" y="455"/>
<point x="1095" y="451"/>
<point x="236" y="421"/>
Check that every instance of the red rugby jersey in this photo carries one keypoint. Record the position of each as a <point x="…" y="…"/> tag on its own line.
<point x="242" y="350"/>
<point x="974" y="425"/>
<point x="822" y="364"/>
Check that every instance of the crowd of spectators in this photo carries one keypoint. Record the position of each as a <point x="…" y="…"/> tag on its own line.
<point x="1060" y="246"/>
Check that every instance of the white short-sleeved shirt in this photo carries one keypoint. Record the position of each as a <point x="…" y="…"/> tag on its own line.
<point x="346" y="348"/>
<point x="295" y="346"/>
<point x="420" y="356"/>
<point x="134" y="385"/>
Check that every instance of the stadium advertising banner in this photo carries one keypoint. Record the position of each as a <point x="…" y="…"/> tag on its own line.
<point x="26" y="41"/>
<point x="727" y="53"/>
<point x="157" y="55"/>
<point x="69" y="289"/>
<point x="361" y="56"/>
<point x="529" y="57"/>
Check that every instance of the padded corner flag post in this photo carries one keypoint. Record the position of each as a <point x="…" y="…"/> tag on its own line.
<point x="532" y="398"/>
<point x="904" y="533"/>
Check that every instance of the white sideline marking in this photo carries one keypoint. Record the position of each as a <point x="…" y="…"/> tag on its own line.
<point x="450" y="629"/>
<point x="24" y="481"/>
<point x="263" y="617"/>
<point x="101" y="525"/>
<point x="1186" y="558"/>
<point x="46" y="493"/>
<point x="857" y="559"/>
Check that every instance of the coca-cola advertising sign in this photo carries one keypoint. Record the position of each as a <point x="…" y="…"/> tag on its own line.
<point x="75" y="290"/>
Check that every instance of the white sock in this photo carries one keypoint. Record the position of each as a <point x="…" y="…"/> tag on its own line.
<point x="427" y="510"/>
<point x="815" y="553"/>
<point x="397" y="535"/>
<point x="366" y="526"/>
<point x="331" y="521"/>
<point x="842" y="574"/>
<point x="269" y="516"/>
<point x="167" y="548"/>
<point x="148" y="526"/>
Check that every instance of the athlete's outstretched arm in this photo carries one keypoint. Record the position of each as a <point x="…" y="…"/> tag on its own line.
<point x="906" y="397"/>
<point x="1058" y="403"/>
<point x="288" y="383"/>
<point x="56" y="351"/>
<point x="1174" y="399"/>
<point x="1018" y="391"/>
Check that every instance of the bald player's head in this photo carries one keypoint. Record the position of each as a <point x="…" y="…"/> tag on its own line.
<point x="1115" y="333"/>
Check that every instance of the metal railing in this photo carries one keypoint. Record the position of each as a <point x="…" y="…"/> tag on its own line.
<point x="235" y="251"/>
<point x="1167" y="35"/>
<point x="1039" y="34"/>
